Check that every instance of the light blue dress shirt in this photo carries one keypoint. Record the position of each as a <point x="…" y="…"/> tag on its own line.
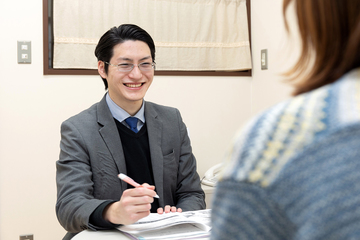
<point x="120" y="114"/>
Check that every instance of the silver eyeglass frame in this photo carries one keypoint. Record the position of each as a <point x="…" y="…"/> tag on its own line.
<point x="153" y="64"/>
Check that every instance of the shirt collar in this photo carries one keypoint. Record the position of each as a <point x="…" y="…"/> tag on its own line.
<point x="120" y="114"/>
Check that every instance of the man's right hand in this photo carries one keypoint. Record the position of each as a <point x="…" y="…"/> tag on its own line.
<point x="135" y="203"/>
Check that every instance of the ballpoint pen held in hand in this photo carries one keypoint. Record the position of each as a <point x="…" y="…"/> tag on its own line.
<point x="131" y="181"/>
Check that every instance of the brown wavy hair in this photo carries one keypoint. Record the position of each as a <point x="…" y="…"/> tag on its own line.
<point x="330" y="37"/>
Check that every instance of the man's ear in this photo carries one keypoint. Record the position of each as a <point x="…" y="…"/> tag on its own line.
<point x="101" y="69"/>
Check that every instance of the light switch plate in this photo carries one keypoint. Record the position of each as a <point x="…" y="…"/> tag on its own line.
<point x="24" y="51"/>
<point x="264" y="59"/>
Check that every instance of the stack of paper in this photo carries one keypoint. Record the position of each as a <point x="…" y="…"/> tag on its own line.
<point x="186" y="225"/>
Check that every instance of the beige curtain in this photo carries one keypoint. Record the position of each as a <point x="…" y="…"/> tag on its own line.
<point x="189" y="35"/>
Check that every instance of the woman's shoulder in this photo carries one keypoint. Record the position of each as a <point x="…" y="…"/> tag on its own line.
<point x="276" y="136"/>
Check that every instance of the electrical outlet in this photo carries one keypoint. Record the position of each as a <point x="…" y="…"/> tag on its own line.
<point x="27" y="237"/>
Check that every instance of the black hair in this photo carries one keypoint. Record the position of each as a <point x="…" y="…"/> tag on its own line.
<point x="104" y="49"/>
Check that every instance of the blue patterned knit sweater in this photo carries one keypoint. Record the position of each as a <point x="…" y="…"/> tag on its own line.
<point x="294" y="171"/>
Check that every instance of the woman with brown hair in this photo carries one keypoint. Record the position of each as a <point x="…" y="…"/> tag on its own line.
<point x="294" y="172"/>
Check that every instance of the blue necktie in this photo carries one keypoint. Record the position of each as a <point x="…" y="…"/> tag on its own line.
<point x="132" y="122"/>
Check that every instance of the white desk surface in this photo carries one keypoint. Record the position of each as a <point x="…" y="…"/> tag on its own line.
<point x="103" y="235"/>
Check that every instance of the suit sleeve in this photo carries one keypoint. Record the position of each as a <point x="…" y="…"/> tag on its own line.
<point x="189" y="193"/>
<point x="75" y="200"/>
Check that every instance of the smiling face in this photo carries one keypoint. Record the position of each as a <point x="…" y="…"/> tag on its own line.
<point x="127" y="89"/>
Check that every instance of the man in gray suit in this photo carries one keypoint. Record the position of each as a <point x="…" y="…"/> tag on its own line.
<point x="124" y="134"/>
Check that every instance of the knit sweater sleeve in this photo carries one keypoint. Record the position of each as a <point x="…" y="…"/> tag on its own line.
<point x="245" y="211"/>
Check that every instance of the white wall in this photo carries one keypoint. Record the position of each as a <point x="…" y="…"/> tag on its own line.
<point x="32" y="107"/>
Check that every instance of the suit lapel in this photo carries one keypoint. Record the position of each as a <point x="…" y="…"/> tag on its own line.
<point x="110" y="135"/>
<point x="154" y="128"/>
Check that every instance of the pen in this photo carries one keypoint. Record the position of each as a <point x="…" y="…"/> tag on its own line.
<point x="130" y="181"/>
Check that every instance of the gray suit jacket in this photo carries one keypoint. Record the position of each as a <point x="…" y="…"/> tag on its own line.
<point x="91" y="157"/>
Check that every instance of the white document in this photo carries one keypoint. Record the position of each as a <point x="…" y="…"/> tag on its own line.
<point x="186" y="225"/>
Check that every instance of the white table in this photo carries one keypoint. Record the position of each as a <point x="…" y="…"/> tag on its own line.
<point x="103" y="235"/>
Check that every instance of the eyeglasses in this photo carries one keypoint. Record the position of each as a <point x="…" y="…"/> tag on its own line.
<point x="127" y="67"/>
